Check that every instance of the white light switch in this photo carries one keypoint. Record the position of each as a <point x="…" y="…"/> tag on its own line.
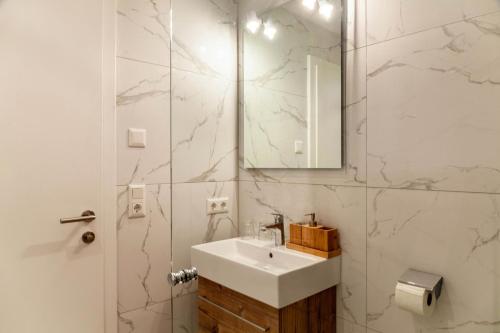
<point x="138" y="193"/>
<point x="136" y="137"/>
<point x="299" y="147"/>
<point x="136" y="201"/>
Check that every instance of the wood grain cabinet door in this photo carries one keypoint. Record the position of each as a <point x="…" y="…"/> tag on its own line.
<point x="222" y="310"/>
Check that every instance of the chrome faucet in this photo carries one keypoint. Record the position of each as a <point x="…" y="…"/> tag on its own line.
<point x="279" y="223"/>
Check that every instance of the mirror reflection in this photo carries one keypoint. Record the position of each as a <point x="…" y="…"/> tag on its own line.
<point x="291" y="67"/>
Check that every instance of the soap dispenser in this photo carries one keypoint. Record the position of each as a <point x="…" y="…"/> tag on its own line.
<point x="311" y="221"/>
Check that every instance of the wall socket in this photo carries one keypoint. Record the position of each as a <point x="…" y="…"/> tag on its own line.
<point x="136" y="201"/>
<point x="217" y="205"/>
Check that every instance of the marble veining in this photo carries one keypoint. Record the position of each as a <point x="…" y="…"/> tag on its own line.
<point x="162" y="317"/>
<point x="453" y="234"/>
<point x="267" y="113"/>
<point x="281" y="64"/>
<point x="193" y="226"/>
<point x="154" y="318"/>
<point x="354" y="171"/>
<point x="345" y="326"/>
<point x="205" y="136"/>
<point x="336" y="206"/>
<point x="143" y="30"/>
<point x="429" y="111"/>
<point x="275" y="85"/>
<point x="389" y="19"/>
<point x="206" y="43"/>
<point x="143" y="101"/>
<point x="143" y="250"/>
<point x="153" y="52"/>
<point x="445" y="85"/>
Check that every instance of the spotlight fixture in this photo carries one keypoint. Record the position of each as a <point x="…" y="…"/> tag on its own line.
<point x="325" y="9"/>
<point x="309" y="4"/>
<point x="269" y="30"/>
<point x="253" y="23"/>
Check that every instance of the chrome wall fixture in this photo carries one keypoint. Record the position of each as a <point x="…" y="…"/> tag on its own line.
<point x="182" y="276"/>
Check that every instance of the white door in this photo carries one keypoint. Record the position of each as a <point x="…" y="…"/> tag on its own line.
<point x="51" y="166"/>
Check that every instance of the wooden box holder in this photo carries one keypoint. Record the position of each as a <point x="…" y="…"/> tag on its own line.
<point x="317" y="240"/>
<point x="296" y="233"/>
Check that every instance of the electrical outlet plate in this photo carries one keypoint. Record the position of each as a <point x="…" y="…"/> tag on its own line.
<point x="217" y="205"/>
<point x="136" y="201"/>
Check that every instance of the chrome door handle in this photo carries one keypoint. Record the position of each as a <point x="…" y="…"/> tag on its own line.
<point x="87" y="216"/>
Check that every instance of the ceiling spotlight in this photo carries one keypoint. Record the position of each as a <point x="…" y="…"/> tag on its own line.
<point x="325" y="9"/>
<point x="309" y="4"/>
<point x="269" y="30"/>
<point x="253" y="23"/>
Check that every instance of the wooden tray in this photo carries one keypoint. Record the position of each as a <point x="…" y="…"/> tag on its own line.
<point x="315" y="252"/>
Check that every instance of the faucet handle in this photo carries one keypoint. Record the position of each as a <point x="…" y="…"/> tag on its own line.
<point x="312" y="221"/>
<point x="312" y="215"/>
<point x="278" y="218"/>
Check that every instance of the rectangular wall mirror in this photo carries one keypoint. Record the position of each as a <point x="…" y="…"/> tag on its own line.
<point x="291" y="83"/>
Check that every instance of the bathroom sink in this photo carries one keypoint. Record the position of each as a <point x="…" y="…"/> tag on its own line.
<point x="273" y="275"/>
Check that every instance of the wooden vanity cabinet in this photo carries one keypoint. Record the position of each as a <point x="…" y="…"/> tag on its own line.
<point x="222" y="310"/>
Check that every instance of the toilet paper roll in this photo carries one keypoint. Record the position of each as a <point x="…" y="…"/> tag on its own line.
<point x="415" y="299"/>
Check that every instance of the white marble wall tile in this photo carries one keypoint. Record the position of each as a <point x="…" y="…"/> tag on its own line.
<point x="156" y="318"/>
<point x="340" y="207"/>
<point x="281" y="64"/>
<point x="448" y="233"/>
<point x="433" y="109"/>
<point x="258" y="6"/>
<point x="193" y="226"/>
<point x="355" y="24"/>
<point x="355" y="13"/>
<point x="354" y="171"/>
<point x="389" y="19"/>
<point x="144" y="250"/>
<point x="204" y="135"/>
<point x="143" y="30"/>
<point x="204" y="37"/>
<point x="185" y="313"/>
<point x="345" y="326"/>
<point x="369" y="330"/>
<point x="143" y="101"/>
<point x="273" y="122"/>
<point x="355" y="76"/>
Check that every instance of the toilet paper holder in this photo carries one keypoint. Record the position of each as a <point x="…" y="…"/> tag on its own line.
<point x="431" y="282"/>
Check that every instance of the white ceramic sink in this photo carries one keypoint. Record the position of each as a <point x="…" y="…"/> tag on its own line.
<point x="273" y="275"/>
